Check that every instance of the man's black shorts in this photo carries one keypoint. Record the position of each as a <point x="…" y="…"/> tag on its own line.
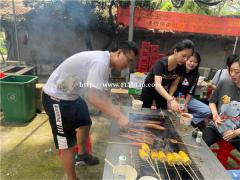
<point x="65" y="117"/>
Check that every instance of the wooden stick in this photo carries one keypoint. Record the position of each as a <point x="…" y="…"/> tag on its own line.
<point x="193" y="171"/>
<point x="138" y="139"/>
<point x="157" y="168"/>
<point x="109" y="163"/>
<point x="140" y="132"/>
<point x="177" y="172"/>
<point x="166" y="170"/>
<point x="189" y="145"/>
<point x="132" y="160"/>
<point x="187" y="171"/>
<point x="148" y="121"/>
<point x="177" y="142"/>
<point x="137" y="144"/>
<point x="151" y="165"/>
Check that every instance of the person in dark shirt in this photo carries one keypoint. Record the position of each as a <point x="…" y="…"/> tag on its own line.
<point x="225" y="107"/>
<point x="164" y="72"/>
<point x="187" y="86"/>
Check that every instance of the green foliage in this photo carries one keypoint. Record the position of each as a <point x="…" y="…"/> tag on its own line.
<point x="3" y="50"/>
<point x="226" y="7"/>
<point x="192" y="7"/>
<point x="167" y="6"/>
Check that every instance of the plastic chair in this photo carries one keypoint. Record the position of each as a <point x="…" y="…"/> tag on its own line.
<point x="224" y="152"/>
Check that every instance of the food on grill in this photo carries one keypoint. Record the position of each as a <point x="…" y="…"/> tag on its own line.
<point x="148" y="121"/>
<point x="154" y="126"/>
<point x="137" y="138"/>
<point x="185" y="158"/>
<point x="161" y="156"/>
<point x="148" y="125"/>
<point x="177" y="158"/>
<point x="170" y="159"/>
<point x="143" y="154"/>
<point x="154" y="155"/>
<point x="145" y="148"/>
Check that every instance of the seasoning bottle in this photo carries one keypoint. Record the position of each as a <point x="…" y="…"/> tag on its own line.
<point x="199" y="137"/>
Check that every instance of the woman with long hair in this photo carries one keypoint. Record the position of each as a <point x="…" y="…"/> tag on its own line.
<point x="187" y="86"/>
<point x="165" y="72"/>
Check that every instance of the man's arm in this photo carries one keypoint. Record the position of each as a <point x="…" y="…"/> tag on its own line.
<point x="100" y="100"/>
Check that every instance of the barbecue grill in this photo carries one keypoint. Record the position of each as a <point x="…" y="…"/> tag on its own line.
<point x="200" y="168"/>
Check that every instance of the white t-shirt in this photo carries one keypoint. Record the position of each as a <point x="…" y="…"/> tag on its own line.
<point x="77" y="73"/>
<point x="218" y="78"/>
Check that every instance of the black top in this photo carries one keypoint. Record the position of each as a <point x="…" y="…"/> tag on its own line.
<point x="160" y="68"/>
<point x="188" y="83"/>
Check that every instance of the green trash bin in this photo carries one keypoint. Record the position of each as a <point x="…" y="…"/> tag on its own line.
<point x="18" y="97"/>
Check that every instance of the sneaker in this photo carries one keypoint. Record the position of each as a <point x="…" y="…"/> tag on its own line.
<point x="86" y="159"/>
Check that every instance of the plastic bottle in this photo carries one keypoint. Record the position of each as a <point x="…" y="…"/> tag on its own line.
<point x="182" y="102"/>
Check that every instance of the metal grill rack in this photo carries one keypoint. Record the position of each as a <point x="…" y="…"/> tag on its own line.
<point x="144" y="168"/>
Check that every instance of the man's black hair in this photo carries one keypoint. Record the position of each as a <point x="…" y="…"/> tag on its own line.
<point x="127" y="46"/>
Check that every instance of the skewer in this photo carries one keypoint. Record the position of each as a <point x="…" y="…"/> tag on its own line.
<point x="166" y="170"/>
<point x="141" y="130"/>
<point x="162" y="158"/>
<point x="144" y="155"/>
<point x="152" y="166"/>
<point x="187" y="171"/>
<point x="157" y="168"/>
<point x="154" y="157"/>
<point x="177" y="172"/>
<point x="109" y="163"/>
<point x="132" y="160"/>
<point x="137" y="139"/>
<point x="140" y="133"/>
<point x="177" y="142"/>
<point x="138" y="144"/>
<point x="193" y="172"/>
<point x="148" y="121"/>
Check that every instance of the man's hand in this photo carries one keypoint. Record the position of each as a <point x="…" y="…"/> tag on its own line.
<point x="217" y="120"/>
<point x="228" y="135"/>
<point x="122" y="121"/>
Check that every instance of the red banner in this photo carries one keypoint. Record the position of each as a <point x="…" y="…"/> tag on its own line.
<point x="182" y="22"/>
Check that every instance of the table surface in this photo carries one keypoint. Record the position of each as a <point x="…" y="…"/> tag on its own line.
<point x="206" y="161"/>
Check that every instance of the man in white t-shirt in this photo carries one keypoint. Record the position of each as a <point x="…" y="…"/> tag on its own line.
<point x="83" y="74"/>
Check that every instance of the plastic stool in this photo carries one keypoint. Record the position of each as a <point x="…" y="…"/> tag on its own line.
<point x="224" y="152"/>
